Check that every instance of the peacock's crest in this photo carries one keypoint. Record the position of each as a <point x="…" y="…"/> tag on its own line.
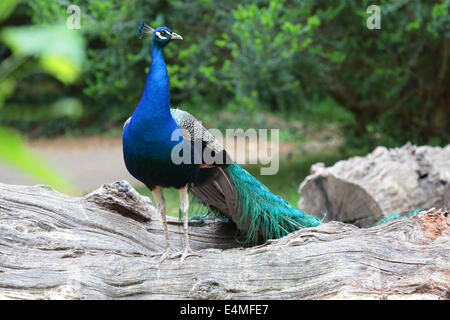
<point x="144" y="30"/>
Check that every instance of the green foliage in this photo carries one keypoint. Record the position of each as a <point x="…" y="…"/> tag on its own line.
<point x="6" y="8"/>
<point x="60" y="52"/>
<point x="293" y="56"/>
<point x="263" y="46"/>
<point x="14" y="152"/>
<point x="49" y="49"/>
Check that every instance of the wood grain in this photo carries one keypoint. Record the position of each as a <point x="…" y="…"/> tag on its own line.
<point x="53" y="246"/>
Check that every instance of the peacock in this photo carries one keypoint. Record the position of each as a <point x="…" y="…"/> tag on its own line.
<point x="222" y="186"/>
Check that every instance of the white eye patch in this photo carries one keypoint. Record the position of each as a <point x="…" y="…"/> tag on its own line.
<point x="158" y="34"/>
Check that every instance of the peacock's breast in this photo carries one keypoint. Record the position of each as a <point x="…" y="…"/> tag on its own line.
<point x="150" y="160"/>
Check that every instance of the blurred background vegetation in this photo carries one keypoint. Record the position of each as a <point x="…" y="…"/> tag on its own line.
<point x="292" y="65"/>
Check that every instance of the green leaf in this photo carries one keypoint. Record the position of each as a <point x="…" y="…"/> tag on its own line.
<point x="14" y="152"/>
<point x="439" y="10"/>
<point x="61" y="51"/>
<point x="313" y="22"/>
<point x="6" y="90"/>
<point x="6" y="8"/>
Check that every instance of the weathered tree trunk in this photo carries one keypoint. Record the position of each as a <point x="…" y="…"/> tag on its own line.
<point x="362" y="190"/>
<point x="53" y="246"/>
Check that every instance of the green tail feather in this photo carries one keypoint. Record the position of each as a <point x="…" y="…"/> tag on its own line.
<point x="264" y="214"/>
<point x="398" y="216"/>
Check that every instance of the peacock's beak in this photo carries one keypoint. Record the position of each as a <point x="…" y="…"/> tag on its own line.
<point x="176" y="36"/>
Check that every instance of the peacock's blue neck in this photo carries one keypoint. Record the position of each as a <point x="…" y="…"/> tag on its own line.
<point x="155" y="100"/>
<point x="149" y="132"/>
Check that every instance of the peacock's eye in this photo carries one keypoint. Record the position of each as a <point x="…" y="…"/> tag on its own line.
<point x="163" y="32"/>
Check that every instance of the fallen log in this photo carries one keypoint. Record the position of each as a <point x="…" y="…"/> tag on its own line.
<point x="100" y="246"/>
<point x="363" y="190"/>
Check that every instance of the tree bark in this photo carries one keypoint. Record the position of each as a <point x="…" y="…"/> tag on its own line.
<point x="100" y="246"/>
<point x="363" y="190"/>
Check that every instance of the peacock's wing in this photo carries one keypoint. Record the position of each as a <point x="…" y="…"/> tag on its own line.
<point x="218" y="192"/>
<point x="213" y="186"/>
<point x="126" y="122"/>
<point x="193" y="130"/>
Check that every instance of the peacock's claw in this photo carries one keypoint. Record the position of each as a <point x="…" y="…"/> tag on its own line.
<point x="184" y="254"/>
<point x="167" y="253"/>
<point x="188" y="252"/>
<point x="170" y="253"/>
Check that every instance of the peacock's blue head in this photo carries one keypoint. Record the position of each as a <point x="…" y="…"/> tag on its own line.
<point x="161" y="36"/>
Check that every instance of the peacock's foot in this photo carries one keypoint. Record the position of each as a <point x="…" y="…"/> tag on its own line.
<point x="169" y="252"/>
<point x="186" y="253"/>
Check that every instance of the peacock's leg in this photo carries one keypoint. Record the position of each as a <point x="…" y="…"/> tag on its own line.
<point x="161" y="207"/>
<point x="184" y="208"/>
